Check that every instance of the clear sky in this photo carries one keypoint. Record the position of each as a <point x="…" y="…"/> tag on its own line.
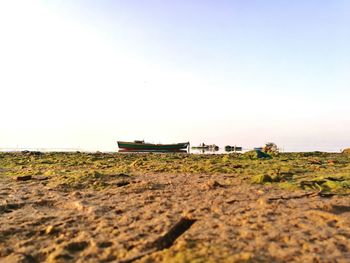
<point x="84" y="74"/>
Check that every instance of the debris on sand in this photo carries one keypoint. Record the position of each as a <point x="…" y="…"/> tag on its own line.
<point x="122" y="183"/>
<point x="166" y="240"/>
<point x="24" y="178"/>
<point x="176" y="231"/>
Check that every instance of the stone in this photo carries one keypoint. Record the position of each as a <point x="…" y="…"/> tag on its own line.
<point x="346" y="151"/>
<point x="24" y="178"/>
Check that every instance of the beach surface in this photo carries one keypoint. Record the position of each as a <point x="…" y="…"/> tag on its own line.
<point x="110" y="207"/>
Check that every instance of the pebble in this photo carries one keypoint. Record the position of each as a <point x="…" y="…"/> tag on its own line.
<point x="263" y="201"/>
<point x="49" y="230"/>
<point x="24" y="178"/>
<point x="212" y="184"/>
<point x="77" y="194"/>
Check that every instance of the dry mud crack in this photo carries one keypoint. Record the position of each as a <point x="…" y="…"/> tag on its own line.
<point x="171" y="218"/>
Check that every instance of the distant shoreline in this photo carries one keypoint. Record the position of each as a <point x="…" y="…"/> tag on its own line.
<point x="63" y="150"/>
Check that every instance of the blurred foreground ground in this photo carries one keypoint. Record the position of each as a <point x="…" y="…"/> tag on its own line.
<point x="80" y="207"/>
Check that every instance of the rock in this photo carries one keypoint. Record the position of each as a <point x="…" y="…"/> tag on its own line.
<point x="24" y="178"/>
<point x="40" y="177"/>
<point x="262" y="201"/>
<point x="122" y="183"/>
<point x="346" y="151"/>
<point x="76" y="246"/>
<point x="123" y="175"/>
<point x="104" y="244"/>
<point x="212" y="184"/>
<point x="77" y="194"/>
<point x="257" y="154"/>
<point x="49" y="230"/>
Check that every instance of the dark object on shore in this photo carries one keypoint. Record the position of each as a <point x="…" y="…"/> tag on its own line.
<point x="24" y="178"/>
<point x="261" y="154"/>
<point x="177" y="230"/>
<point x="257" y="154"/>
<point x="235" y="148"/>
<point x="165" y="241"/>
<point x="30" y="177"/>
<point x="142" y="146"/>
<point x="122" y="183"/>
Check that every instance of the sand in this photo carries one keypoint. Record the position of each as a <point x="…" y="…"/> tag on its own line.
<point x="132" y="219"/>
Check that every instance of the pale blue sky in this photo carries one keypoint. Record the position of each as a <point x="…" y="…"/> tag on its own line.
<point x="87" y="73"/>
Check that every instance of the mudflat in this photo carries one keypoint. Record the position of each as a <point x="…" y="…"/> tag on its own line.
<point x="113" y="207"/>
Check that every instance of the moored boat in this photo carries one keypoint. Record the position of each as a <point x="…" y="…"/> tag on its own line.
<point x="143" y="146"/>
<point x="206" y="148"/>
<point x="202" y="146"/>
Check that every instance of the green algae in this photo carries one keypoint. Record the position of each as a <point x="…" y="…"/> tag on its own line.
<point x="318" y="171"/>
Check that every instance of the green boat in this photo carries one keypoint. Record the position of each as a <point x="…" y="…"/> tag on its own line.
<point x="143" y="146"/>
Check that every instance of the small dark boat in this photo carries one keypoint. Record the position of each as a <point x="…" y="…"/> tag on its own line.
<point x="235" y="148"/>
<point x="202" y="146"/>
<point x="143" y="146"/>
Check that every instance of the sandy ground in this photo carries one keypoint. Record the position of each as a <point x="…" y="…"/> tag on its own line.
<point x="130" y="221"/>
